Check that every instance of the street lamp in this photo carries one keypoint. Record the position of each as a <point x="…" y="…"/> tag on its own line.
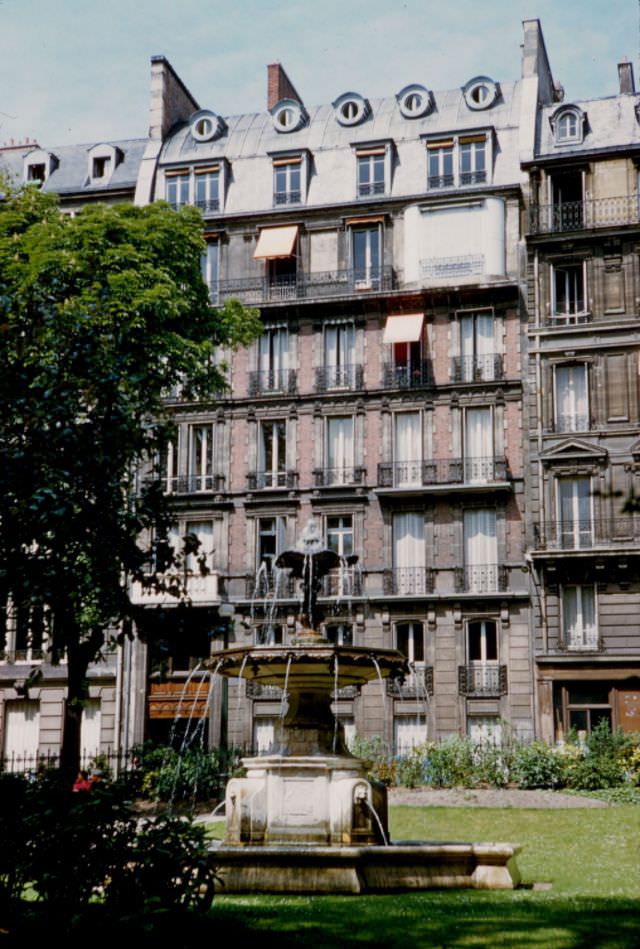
<point x="226" y="612"/>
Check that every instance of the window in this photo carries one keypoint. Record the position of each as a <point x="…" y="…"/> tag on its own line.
<point x="407" y="447"/>
<point x="339" y="356"/>
<point x="264" y="735"/>
<point x="482" y="641"/>
<point x="371" y="172"/>
<point x="177" y="188"/>
<point x="472" y="153"/>
<point x="478" y="360"/>
<point x="405" y="333"/>
<point x="579" y="626"/>
<point x="409" y="555"/>
<point x="341" y="634"/>
<point x="272" y="462"/>
<point x="569" y="296"/>
<point x="101" y="167"/>
<point x="288" y="115"/>
<point x="340" y="534"/>
<point x="21" y="734"/>
<point x="568" y="124"/>
<point x="269" y="634"/>
<point x="277" y="247"/>
<point x="287" y="181"/>
<point x="480" y="551"/>
<point x="460" y="161"/>
<point x="484" y="730"/>
<point x="366" y="256"/>
<point x="575" y="524"/>
<point x="36" y="173"/>
<point x="478" y="449"/>
<point x="571" y="398"/>
<point x="586" y="704"/>
<point x="414" y="101"/>
<point x="566" y="200"/>
<point x="340" y="449"/>
<point x="26" y="633"/>
<point x="480" y="93"/>
<point x="408" y="733"/>
<point x="440" y="164"/>
<point x="410" y="641"/>
<point x="200" y="472"/>
<point x="270" y="541"/>
<point x="351" y="108"/>
<point x="206" y="126"/>
<point x="211" y="267"/>
<point x="207" y="188"/>
<point x="90" y="731"/>
<point x="168" y="467"/>
<point x="273" y="360"/>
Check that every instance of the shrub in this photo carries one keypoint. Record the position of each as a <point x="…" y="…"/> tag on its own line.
<point x="538" y="766"/>
<point x="374" y="753"/>
<point x="165" y="774"/>
<point x="592" y="772"/>
<point x="449" y="763"/>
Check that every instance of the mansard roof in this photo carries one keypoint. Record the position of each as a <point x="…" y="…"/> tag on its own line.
<point x="611" y="123"/>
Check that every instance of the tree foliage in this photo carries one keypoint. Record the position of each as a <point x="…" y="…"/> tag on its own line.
<point x="100" y="314"/>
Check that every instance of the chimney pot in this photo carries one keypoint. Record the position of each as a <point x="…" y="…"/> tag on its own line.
<point x="625" y="75"/>
<point x="279" y="86"/>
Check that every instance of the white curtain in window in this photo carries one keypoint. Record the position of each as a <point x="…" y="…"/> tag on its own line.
<point x="408" y="448"/>
<point x="477" y="346"/>
<point x="478" y="453"/>
<point x="409" y="733"/>
<point x="408" y="540"/>
<point x="484" y="730"/>
<point x="574" y="505"/>
<point x="264" y="732"/>
<point x="90" y="730"/>
<point x="21" y="734"/>
<point x="579" y="617"/>
<point x="481" y="550"/>
<point x="274" y="350"/>
<point x="572" y="405"/>
<point x="340" y="448"/>
<point x="203" y="530"/>
<point x="338" y="345"/>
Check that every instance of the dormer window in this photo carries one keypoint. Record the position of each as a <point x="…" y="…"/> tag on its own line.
<point x="568" y="125"/>
<point x="351" y="108"/>
<point x="480" y="93"/>
<point x="36" y="173"/>
<point x="414" y="101"/>
<point x="288" y="115"/>
<point x="101" y="167"/>
<point x="38" y="165"/>
<point x="206" y="126"/>
<point x="103" y="160"/>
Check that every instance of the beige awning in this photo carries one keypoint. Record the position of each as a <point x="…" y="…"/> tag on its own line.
<point x="276" y="242"/>
<point x="403" y="328"/>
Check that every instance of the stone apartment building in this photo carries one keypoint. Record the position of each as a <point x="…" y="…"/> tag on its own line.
<point x="425" y="347"/>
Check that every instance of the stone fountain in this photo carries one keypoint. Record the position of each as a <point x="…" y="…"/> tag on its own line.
<point x="307" y="818"/>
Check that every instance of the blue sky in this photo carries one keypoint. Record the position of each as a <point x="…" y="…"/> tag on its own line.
<point x="78" y="70"/>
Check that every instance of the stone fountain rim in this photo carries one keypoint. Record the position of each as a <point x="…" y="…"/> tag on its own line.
<point x="226" y="661"/>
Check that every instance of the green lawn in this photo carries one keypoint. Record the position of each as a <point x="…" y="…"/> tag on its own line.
<point x="590" y="856"/>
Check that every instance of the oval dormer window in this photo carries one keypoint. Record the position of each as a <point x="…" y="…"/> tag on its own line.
<point x="414" y="101"/>
<point x="205" y="126"/>
<point x="351" y="108"/>
<point x="288" y="115"/>
<point x="480" y="93"/>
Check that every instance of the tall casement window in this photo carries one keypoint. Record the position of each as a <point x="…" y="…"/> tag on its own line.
<point x="371" y="171"/>
<point x="566" y="200"/>
<point x="478" y="445"/>
<point x="409" y="555"/>
<point x="481" y="551"/>
<point x="207" y="188"/>
<point x="340" y="633"/>
<point x="339" y="356"/>
<point x="211" y="266"/>
<point x="404" y="332"/>
<point x="200" y="533"/>
<point x="177" y="187"/>
<point x="21" y="734"/>
<point x="482" y="641"/>
<point x="200" y="472"/>
<point x="340" y="450"/>
<point x="410" y="641"/>
<point x="272" y="456"/>
<point x="287" y="181"/>
<point x="340" y="534"/>
<point x="478" y="360"/>
<point x="407" y="448"/>
<point x="585" y="705"/>
<point x="277" y="246"/>
<point x="571" y="398"/>
<point x="168" y="467"/>
<point x="575" y="516"/>
<point x="440" y="164"/>
<point x="273" y="360"/>
<point x="569" y="301"/>
<point x="366" y="257"/>
<point x="579" y="624"/>
<point x="270" y="541"/>
<point x="472" y="152"/>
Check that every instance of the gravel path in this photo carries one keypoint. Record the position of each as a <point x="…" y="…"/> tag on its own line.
<point x="488" y="797"/>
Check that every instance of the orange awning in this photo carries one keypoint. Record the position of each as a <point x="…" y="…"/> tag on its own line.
<point x="403" y="328"/>
<point x="276" y="242"/>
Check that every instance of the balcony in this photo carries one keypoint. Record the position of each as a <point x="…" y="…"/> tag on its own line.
<point x="370" y="188"/>
<point x="444" y="269"/>
<point x="173" y="588"/>
<point x="310" y="286"/>
<point x="473" y="177"/>
<point x="482" y="680"/>
<point x="208" y="206"/>
<point x="332" y="378"/>
<point x="470" y="473"/>
<point x="408" y="377"/>
<point x="440" y="181"/>
<point x="269" y="584"/>
<point x="417" y="685"/>
<point x="481" y="578"/>
<point x="273" y="382"/>
<point x="584" y="215"/>
<point x="588" y="534"/>
<point x="408" y="581"/>
<point x="283" y="198"/>
<point x="487" y="368"/>
<point x="339" y="477"/>
<point x="343" y="583"/>
<point x="271" y="480"/>
<point x="190" y="484"/>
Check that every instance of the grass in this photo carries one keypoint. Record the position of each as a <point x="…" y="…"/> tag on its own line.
<point x="590" y="856"/>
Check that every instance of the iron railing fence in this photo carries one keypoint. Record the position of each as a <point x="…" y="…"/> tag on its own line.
<point x="349" y="376"/>
<point x="584" y="215"/>
<point x="315" y="285"/>
<point x="408" y="377"/>
<point x="410" y="581"/>
<point x="273" y="382"/>
<point x="335" y="477"/>
<point x="586" y="533"/>
<point x="266" y="480"/>
<point x="409" y="474"/>
<point x="482" y="678"/>
<point x="417" y="685"/>
<point x="481" y="578"/>
<point x="487" y="368"/>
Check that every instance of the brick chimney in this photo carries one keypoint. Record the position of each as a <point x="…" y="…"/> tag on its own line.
<point x="625" y="74"/>
<point x="279" y="86"/>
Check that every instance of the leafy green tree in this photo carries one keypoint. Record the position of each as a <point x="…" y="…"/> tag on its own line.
<point x="100" y="314"/>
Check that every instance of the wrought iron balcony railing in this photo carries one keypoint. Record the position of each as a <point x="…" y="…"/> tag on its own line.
<point x="30" y="654"/>
<point x="171" y="588"/>
<point x="482" y="679"/>
<point x="273" y="382"/>
<point x="417" y="685"/>
<point x="369" y="188"/>
<point x="473" y="177"/>
<point x="440" y="181"/>
<point x="408" y="377"/>
<point x="343" y="583"/>
<point x="587" y="533"/>
<point x="286" y="197"/>
<point x="269" y="583"/>
<point x="209" y="206"/>
<point x="336" y="477"/>
<point x="411" y="581"/>
<point x="412" y="474"/>
<point x="582" y="215"/>
<point x="349" y="376"/>
<point x="190" y="484"/>
<point x="481" y="578"/>
<point x="267" y="480"/>
<point x="488" y="368"/>
<point x="452" y="268"/>
<point x="569" y="319"/>
<point x="317" y="285"/>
